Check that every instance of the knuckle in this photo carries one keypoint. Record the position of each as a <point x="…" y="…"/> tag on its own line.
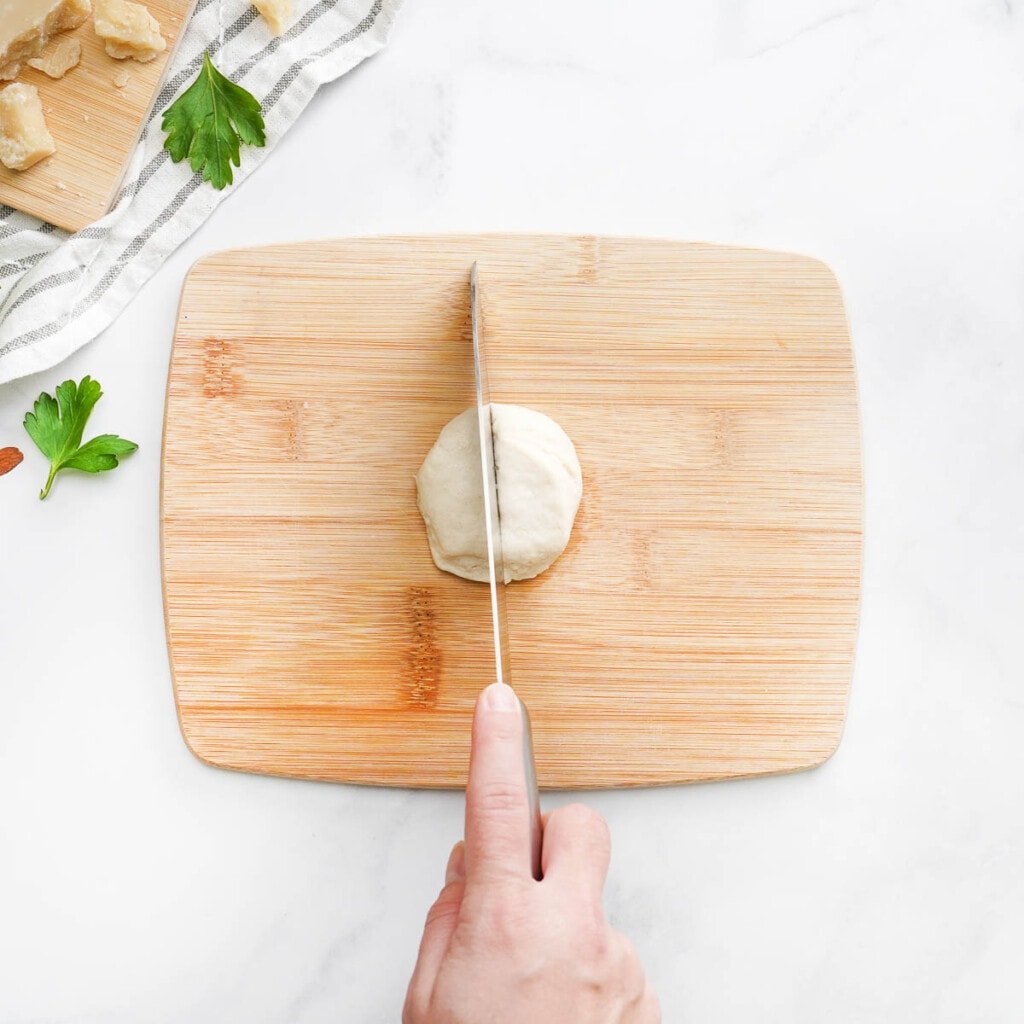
<point x="585" y="820"/>
<point x="445" y="906"/>
<point x="506" y="921"/>
<point x="628" y="957"/>
<point x="498" y="798"/>
<point x="441" y="912"/>
<point x="595" y="943"/>
<point x="650" y="1007"/>
<point x="631" y="970"/>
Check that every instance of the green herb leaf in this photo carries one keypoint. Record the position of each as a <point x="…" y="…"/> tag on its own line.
<point x="207" y="122"/>
<point x="57" y="424"/>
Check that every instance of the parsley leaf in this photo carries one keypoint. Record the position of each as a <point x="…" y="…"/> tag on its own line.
<point x="56" y="425"/>
<point x="207" y="122"/>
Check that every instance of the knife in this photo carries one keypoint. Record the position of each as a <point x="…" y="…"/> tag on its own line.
<point x="496" y="562"/>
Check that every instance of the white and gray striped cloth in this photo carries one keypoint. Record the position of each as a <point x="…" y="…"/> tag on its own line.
<point x="58" y="291"/>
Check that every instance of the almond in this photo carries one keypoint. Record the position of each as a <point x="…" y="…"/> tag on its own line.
<point x="9" y="458"/>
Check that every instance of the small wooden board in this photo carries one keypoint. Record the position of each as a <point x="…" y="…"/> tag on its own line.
<point x="701" y="623"/>
<point x="94" y="124"/>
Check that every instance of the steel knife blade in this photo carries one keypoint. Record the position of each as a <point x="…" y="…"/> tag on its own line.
<point x="492" y="520"/>
<point x="495" y="558"/>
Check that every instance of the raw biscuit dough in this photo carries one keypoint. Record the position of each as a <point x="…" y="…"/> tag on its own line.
<point x="539" y="489"/>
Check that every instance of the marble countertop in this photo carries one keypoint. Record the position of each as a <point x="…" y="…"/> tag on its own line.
<point x="138" y="886"/>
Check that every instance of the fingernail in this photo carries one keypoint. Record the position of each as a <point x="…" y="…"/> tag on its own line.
<point x="456" y="870"/>
<point x="499" y="697"/>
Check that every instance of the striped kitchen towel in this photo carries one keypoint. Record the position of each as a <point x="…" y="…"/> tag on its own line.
<point x="58" y="291"/>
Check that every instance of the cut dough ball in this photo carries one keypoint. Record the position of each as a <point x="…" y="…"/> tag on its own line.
<point x="128" y="30"/>
<point x="539" y="489"/>
<point x="24" y="138"/>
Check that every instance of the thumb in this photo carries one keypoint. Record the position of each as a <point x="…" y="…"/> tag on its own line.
<point x="442" y="918"/>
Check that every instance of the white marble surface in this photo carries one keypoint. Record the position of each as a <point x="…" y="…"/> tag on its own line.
<point x="139" y="887"/>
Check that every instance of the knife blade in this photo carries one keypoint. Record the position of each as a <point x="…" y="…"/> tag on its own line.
<point x="496" y="560"/>
<point x="492" y="520"/>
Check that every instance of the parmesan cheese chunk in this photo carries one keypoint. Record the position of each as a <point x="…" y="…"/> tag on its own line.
<point x="26" y="26"/>
<point x="59" y="58"/>
<point x="128" y="30"/>
<point x="276" y="13"/>
<point x="24" y="139"/>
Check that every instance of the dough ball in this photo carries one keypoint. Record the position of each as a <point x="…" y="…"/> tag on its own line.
<point x="539" y="489"/>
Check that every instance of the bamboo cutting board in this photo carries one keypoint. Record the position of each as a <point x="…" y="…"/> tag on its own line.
<point x="701" y="623"/>
<point x="94" y="124"/>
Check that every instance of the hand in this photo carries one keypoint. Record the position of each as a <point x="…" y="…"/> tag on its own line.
<point x="502" y="948"/>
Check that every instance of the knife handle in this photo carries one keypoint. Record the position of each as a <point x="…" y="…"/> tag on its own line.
<point x="532" y="795"/>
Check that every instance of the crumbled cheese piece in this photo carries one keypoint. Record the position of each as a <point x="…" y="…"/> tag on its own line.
<point x="24" y="139"/>
<point x="276" y="13"/>
<point x="26" y="26"/>
<point x="60" y="186"/>
<point x="128" y="30"/>
<point x="59" y="58"/>
<point x="121" y="79"/>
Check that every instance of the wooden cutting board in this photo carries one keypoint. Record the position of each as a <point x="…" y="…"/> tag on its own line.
<point x="701" y="623"/>
<point x="94" y="124"/>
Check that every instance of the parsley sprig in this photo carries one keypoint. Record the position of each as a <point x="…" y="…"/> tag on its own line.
<point x="207" y="123"/>
<point x="57" y="424"/>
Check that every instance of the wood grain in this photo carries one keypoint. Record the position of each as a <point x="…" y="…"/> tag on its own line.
<point x="94" y="124"/>
<point x="701" y="623"/>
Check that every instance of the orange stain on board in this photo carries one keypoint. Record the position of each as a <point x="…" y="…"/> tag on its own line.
<point x="424" y="658"/>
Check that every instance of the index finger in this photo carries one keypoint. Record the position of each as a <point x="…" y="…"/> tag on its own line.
<point x="497" y="804"/>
